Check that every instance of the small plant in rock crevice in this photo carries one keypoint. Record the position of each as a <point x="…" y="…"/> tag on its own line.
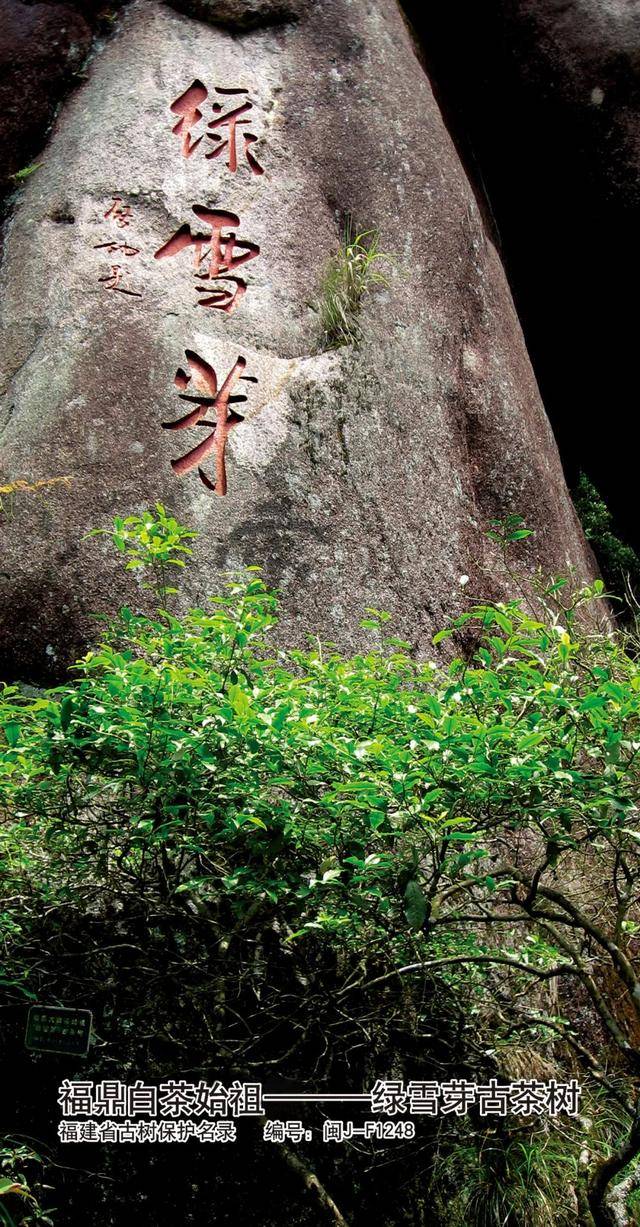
<point x="26" y="172"/>
<point x="352" y="272"/>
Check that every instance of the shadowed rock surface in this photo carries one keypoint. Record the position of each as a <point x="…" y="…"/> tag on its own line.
<point x="42" y="50"/>
<point x="357" y="477"/>
<point x="242" y="14"/>
<point x="544" y="98"/>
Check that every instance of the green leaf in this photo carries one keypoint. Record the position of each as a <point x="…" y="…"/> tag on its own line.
<point x="239" y="700"/>
<point x="11" y="731"/>
<point x="10" y="1186"/>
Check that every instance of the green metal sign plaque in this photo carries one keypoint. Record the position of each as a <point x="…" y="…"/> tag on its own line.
<point x="52" y="1028"/>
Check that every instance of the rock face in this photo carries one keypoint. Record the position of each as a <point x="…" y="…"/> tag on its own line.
<point x="545" y="97"/>
<point x="358" y="476"/>
<point x="242" y="14"/>
<point x="41" y="47"/>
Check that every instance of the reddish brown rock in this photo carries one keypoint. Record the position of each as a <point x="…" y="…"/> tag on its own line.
<point x="42" y="46"/>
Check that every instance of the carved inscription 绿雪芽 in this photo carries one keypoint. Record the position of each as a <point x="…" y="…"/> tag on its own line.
<point x="223" y="136"/>
<point x="218" y="253"/>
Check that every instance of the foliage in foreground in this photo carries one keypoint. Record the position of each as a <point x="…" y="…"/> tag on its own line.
<point x="18" y="1192"/>
<point x="363" y="825"/>
<point x="619" y="562"/>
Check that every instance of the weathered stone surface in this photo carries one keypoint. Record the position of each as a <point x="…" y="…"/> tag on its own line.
<point x="41" y="47"/>
<point x="358" y="477"/>
<point x="242" y="14"/>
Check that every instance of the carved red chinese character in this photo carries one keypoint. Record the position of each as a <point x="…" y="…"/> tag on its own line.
<point x="222" y="298"/>
<point x="216" y="255"/>
<point x="232" y="121"/>
<point x="208" y="397"/>
<point x="112" y="246"/>
<point x="120" y="213"/>
<point x="113" y="279"/>
<point x="187" y="107"/>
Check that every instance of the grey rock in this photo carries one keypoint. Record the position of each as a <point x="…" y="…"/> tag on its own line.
<point x="359" y="476"/>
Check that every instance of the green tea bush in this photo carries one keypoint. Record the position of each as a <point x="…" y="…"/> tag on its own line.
<point x="407" y="819"/>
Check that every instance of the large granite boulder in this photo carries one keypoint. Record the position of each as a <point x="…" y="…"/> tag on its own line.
<point x="358" y="476"/>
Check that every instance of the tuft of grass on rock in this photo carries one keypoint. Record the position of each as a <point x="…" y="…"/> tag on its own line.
<point x="26" y="171"/>
<point x="350" y="275"/>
